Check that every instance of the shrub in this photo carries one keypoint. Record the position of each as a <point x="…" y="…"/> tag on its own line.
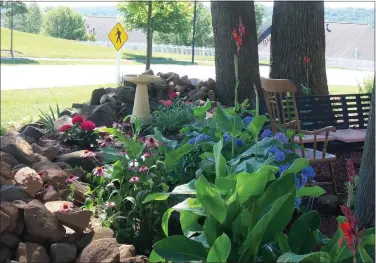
<point x="48" y="118"/>
<point x="3" y="130"/>
<point x="367" y="85"/>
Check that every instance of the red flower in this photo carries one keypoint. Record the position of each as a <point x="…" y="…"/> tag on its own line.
<point x="307" y="60"/>
<point x="173" y="95"/>
<point x="88" y="125"/>
<point x="78" y="119"/>
<point x="234" y="34"/>
<point x="238" y="37"/>
<point x="134" y="180"/>
<point x="166" y="103"/>
<point x="347" y="235"/>
<point x="65" y="127"/>
<point x="143" y="169"/>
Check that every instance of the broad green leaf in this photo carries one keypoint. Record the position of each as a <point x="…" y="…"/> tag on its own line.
<point x="174" y="156"/>
<point x="190" y="204"/>
<point x="185" y="189"/>
<point x="225" y="186"/>
<point x="221" y="169"/>
<point x="165" y="219"/>
<point x="202" y="239"/>
<point x="256" y="125"/>
<point x="310" y="191"/>
<point x="159" y="137"/>
<point x="248" y="184"/>
<point x="237" y="125"/>
<point x="262" y="147"/>
<point x="211" y="200"/>
<point x="321" y="239"/>
<point x="200" y="111"/>
<point x="304" y="226"/>
<point x="368" y="240"/>
<point x="157" y="197"/>
<point x="297" y="166"/>
<point x="155" y="258"/>
<point x="315" y="257"/>
<point x="364" y="255"/>
<point x="89" y="204"/>
<point x="212" y="230"/>
<point x="241" y="224"/>
<point x="282" y="242"/>
<point x="223" y="122"/>
<point x="253" y="241"/>
<point x="188" y="222"/>
<point x="220" y="250"/>
<point x="180" y="249"/>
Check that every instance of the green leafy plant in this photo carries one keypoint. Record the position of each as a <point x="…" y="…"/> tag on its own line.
<point x="81" y="132"/>
<point x="366" y="85"/>
<point x="48" y="118"/>
<point x="3" y="130"/>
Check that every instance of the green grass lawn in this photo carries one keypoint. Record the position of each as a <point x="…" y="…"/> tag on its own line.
<point x="20" y="106"/>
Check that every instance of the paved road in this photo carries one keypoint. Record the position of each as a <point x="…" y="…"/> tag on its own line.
<point x="43" y="76"/>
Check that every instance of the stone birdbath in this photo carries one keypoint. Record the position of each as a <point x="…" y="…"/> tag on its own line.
<point x="141" y="108"/>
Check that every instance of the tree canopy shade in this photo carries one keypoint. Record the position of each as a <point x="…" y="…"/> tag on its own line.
<point x="298" y="31"/>
<point x="64" y="22"/>
<point x="225" y="18"/>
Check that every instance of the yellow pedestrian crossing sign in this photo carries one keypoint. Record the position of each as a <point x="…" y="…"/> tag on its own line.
<point x="118" y="36"/>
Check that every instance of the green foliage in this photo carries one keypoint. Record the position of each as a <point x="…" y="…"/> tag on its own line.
<point x="259" y="12"/>
<point x="171" y="119"/>
<point x="48" y="118"/>
<point x="91" y="37"/>
<point x="64" y="22"/>
<point x="367" y="85"/>
<point x="3" y="130"/>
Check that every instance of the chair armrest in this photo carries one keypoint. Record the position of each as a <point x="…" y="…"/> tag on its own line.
<point x="320" y="131"/>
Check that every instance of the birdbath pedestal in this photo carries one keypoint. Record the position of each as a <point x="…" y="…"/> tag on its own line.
<point x="141" y="108"/>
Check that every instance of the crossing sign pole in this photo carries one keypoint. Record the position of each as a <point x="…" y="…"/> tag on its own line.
<point x="118" y="37"/>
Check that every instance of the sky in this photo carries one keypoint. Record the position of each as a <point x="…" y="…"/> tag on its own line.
<point x="88" y="3"/>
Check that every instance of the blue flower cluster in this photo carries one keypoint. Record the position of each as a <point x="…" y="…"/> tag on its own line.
<point x="247" y="121"/>
<point x="298" y="201"/>
<point x="239" y="142"/>
<point x="199" y="138"/>
<point x="281" y="137"/>
<point x="283" y="167"/>
<point x="279" y="156"/>
<point x="266" y="133"/>
<point x="227" y="137"/>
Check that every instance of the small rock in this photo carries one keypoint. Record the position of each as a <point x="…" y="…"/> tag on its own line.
<point x="194" y="81"/>
<point x="138" y="259"/>
<point x="96" y="95"/>
<point x="211" y="95"/>
<point x="68" y="112"/>
<point x="125" y="94"/>
<point x="63" y="252"/>
<point x="102" y="250"/>
<point x="37" y="124"/>
<point x="5" y="181"/>
<point x="30" y="179"/>
<point x="78" y="105"/>
<point x="12" y="212"/>
<point x="36" y="148"/>
<point x="96" y="234"/>
<point x="63" y="165"/>
<point x="18" y="148"/>
<point x="4" y="221"/>
<point x="110" y="90"/>
<point x="127" y="251"/>
<point x="5" y="170"/>
<point x="9" y="240"/>
<point x="78" y="195"/>
<point x="76" y="159"/>
<point x="50" y="153"/>
<point x="180" y="88"/>
<point x="11" y="193"/>
<point x="148" y="72"/>
<point x="8" y="158"/>
<point x="63" y="120"/>
<point x="5" y="253"/>
<point x="40" y="222"/>
<point x="38" y="157"/>
<point x="31" y="253"/>
<point x="197" y="95"/>
<point x="101" y="115"/>
<point x="77" y="220"/>
<point x="49" y="196"/>
<point x="107" y="98"/>
<point x="17" y="168"/>
<point x="54" y="174"/>
<point x="33" y="133"/>
<point x="71" y="236"/>
<point x="80" y="173"/>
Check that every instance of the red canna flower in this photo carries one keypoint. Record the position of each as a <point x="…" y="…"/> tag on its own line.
<point x="307" y="60"/>
<point x="78" y="119"/>
<point x="88" y="125"/>
<point x="65" y="127"/>
<point x="234" y="34"/>
<point x="238" y="37"/>
<point x="347" y="234"/>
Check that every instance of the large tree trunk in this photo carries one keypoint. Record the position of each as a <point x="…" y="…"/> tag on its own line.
<point x="225" y="18"/>
<point x="365" y="191"/>
<point x="298" y="31"/>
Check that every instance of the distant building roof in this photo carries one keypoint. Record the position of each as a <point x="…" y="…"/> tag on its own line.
<point x="102" y="25"/>
<point x="344" y="40"/>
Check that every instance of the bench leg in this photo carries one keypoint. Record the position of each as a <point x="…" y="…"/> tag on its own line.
<point x="332" y="174"/>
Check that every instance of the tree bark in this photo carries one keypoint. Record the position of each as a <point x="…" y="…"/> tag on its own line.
<point x="11" y="32"/>
<point x="365" y="190"/>
<point x="149" y="36"/>
<point x="298" y="31"/>
<point x="225" y="18"/>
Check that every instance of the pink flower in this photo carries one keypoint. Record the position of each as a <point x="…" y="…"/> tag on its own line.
<point x="99" y="171"/>
<point x="109" y="204"/>
<point x="143" y="169"/>
<point x="166" y="103"/>
<point x="145" y="155"/>
<point x="88" y="126"/>
<point x="88" y="154"/>
<point x="306" y="59"/>
<point x="65" y="127"/>
<point x="134" y="180"/>
<point x="71" y="178"/>
<point x="42" y="174"/>
<point x="78" y="119"/>
<point x="133" y="165"/>
<point x="66" y="207"/>
<point x="151" y="142"/>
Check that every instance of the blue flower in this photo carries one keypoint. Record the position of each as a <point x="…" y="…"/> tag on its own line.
<point x="298" y="202"/>
<point x="298" y="183"/>
<point x="283" y="167"/>
<point x="202" y="138"/>
<point x="227" y="137"/>
<point x="192" y="141"/>
<point x="308" y="172"/>
<point x="304" y="180"/>
<point x="247" y="121"/>
<point x="280" y="136"/>
<point x="266" y="133"/>
<point x="279" y="156"/>
<point x="239" y="142"/>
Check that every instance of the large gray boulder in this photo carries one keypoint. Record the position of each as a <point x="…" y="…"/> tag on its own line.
<point x="101" y="115"/>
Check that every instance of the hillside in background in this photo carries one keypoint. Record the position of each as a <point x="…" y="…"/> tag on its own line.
<point x="98" y="11"/>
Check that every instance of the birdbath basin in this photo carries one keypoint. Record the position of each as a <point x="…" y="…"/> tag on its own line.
<point x="141" y="108"/>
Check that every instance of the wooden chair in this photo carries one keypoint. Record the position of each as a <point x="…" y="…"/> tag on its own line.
<point x="279" y="95"/>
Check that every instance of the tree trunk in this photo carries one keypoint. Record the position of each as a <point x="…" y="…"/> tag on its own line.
<point x="11" y="31"/>
<point x="298" y="31"/>
<point x="365" y="190"/>
<point x="149" y="37"/>
<point x="225" y="18"/>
